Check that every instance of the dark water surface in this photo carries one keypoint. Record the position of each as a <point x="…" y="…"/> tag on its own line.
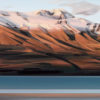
<point x="49" y="82"/>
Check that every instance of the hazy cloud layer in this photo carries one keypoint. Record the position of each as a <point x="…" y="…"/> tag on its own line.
<point x="67" y="1"/>
<point x="84" y="8"/>
<point x="79" y="6"/>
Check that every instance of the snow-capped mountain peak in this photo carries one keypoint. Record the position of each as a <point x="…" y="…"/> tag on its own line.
<point x="55" y="13"/>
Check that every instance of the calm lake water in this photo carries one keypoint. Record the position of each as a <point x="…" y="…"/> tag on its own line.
<point x="49" y="82"/>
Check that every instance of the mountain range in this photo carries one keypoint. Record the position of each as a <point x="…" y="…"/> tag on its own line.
<point x="48" y="42"/>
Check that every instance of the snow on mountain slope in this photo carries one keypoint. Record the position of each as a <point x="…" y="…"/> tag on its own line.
<point x="48" y="41"/>
<point x="46" y="18"/>
<point x="56" y="13"/>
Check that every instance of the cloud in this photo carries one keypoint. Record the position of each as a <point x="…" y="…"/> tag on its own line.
<point x="83" y="7"/>
<point x="61" y="1"/>
<point x="56" y="1"/>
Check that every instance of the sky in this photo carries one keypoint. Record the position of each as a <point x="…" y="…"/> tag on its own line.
<point x="88" y="9"/>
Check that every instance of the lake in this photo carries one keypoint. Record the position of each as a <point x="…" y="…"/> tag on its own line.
<point x="49" y="82"/>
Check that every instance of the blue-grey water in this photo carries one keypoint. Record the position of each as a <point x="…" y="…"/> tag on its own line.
<point x="49" y="82"/>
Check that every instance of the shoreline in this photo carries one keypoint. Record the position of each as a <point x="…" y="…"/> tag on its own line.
<point x="51" y="95"/>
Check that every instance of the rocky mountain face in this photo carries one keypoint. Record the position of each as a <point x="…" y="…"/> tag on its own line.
<point x="48" y="42"/>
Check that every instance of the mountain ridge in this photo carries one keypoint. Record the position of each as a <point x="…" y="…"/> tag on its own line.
<point x="38" y="44"/>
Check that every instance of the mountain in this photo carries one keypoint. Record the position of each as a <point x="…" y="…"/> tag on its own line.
<point x="55" y="13"/>
<point x="48" y="42"/>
